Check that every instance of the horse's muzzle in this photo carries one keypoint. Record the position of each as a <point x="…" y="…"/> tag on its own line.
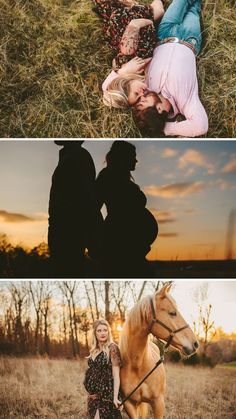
<point x="189" y="351"/>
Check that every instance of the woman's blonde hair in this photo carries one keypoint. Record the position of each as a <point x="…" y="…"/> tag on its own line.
<point x="94" y="342"/>
<point x="117" y="93"/>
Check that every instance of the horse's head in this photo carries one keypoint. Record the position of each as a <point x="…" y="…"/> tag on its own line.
<point x="169" y="325"/>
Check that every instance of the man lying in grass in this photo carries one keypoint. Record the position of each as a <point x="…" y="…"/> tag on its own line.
<point x="170" y="77"/>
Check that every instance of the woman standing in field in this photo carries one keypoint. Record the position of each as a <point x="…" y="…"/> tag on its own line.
<point x="102" y="378"/>
<point x="129" y="228"/>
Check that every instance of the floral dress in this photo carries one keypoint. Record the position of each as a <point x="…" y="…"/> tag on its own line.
<point x="99" y="380"/>
<point x="115" y="18"/>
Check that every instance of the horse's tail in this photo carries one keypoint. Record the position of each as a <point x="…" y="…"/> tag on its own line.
<point x="143" y="410"/>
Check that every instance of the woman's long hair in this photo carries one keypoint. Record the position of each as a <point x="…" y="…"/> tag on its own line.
<point x="117" y="92"/>
<point x="94" y="342"/>
<point x="119" y="157"/>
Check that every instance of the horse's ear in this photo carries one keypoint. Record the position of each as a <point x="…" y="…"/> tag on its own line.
<point x="164" y="290"/>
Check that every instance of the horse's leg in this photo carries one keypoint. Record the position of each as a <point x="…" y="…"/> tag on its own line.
<point x="143" y="410"/>
<point x="158" y="406"/>
<point x="131" y="410"/>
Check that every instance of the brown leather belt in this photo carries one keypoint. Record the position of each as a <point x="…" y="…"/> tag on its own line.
<point x="176" y="40"/>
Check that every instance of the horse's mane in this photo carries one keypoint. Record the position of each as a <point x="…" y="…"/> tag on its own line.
<point x="139" y="313"/>
<point x="137" y="317"/>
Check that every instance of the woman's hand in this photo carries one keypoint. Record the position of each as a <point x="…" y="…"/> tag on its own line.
<point x="140" y="23"/>
<point x="129" y="3"/>
<point x="117" y="403"/>
<point x="92" y="396"/>
<point x="134" y="66"/>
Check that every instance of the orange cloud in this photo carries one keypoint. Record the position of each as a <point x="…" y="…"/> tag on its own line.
<point x="223" y="185"/>
<point x="167" y="220"/>
<point x="168" y="235"/>
<point x="196" y="158"/>
<point x="162" y="214"/>
<point x="190" y="211"/>
<point x="175" y="189"/>
<point x="168" y="152"/>
<point x="230" y="167"/>
<point x="163" y="217"/>
<point x="11" y="217"/>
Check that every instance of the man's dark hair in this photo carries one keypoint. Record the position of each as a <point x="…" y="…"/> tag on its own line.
<point x="150" y="122"/>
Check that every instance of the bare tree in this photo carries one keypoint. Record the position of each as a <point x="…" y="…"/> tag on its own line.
<point x="89" y="300"/>
<point x="95" y="299"/>
<point x="19" y="295"/>
<point x="85" y="326"/>
<point x="68" y="289"/>
<point x="36" y="293"/>
<point x="118" y="293"/>
<point x="142" y="290"/>
<point x="203" y="326"/>
<point x="45" y="313"/>
<point x="107" y="300"/>
<point x="199" y="296"/>
<point x="208" y="326"/>
<point x="64" y="325"/>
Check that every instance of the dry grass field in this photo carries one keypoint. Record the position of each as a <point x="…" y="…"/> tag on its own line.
<point x="54" y="59"/>
<point x="43" y="388"/>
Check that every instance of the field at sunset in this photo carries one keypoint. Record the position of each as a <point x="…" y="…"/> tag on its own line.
<point x="189" y="190"/>
<point x="43" y="388"/>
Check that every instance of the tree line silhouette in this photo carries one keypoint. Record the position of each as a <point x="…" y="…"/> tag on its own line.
<point x="18" y="262"/>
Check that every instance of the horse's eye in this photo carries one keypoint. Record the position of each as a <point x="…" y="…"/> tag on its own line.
<point x="172" y="313"/>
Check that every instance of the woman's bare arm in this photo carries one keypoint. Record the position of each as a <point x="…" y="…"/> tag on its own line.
<point x="130" y="38"/>
<point x="116" y="380"/>
<point x="158" y="9"/>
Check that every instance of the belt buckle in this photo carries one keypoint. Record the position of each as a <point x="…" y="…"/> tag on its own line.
<point x="175" y="40"/>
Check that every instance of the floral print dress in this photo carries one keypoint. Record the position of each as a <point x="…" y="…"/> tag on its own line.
<point x="99" y="380"/>
<point x="115" y="18"/>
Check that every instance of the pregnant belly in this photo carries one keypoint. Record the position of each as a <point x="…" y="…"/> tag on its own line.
<point x="149" y="226"/>
<point x="91" y="382"/>
<point x="136" y="228"/>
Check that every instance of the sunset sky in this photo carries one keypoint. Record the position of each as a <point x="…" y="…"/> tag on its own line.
<point x="221" y="295"/>
<point x="190" y="186"/>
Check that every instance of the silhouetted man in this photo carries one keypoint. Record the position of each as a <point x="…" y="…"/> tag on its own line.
<point x="75" y="221"/>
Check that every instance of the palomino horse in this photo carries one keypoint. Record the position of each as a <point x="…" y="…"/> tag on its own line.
<point x="157" y="315"/>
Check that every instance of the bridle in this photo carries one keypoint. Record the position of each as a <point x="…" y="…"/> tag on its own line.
<point x="172" y="332"/>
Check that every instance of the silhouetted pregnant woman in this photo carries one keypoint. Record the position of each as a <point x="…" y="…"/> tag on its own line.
<point x="129" y="228"/>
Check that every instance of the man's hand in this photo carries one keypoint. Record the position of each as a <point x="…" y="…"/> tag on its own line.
<point x="134" y="66"/>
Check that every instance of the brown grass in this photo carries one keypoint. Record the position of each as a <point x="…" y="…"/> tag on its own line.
<point x="53" y="60"/>
<point x="43" y="388"/>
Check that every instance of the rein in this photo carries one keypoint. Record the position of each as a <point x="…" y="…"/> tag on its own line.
<point x="168" y="343"/>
